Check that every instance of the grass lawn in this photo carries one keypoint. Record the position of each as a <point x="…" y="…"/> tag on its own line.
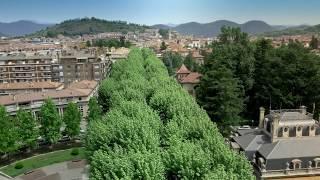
<point x="42" y="160"/>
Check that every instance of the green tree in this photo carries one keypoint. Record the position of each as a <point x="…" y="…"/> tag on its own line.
<point x="191" y="64"/>
<point x="314" y="43"/>
<point x="72" y="119"/>
<point x="27" y="128"/>
<point x="172" y="61"/>
<point x="164" y="33"/>
<point x="163" y="46"/>
<point x="8" y="132"/>
<point x="221" y="95"/>
<point x="50" y="122"/>
<point x="94" y="111"/>
<point x="88" y="43"/>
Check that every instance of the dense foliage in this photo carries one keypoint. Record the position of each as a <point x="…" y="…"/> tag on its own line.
<point x="164" y="33"/>
<point x="89" y="26"/>
<point x="71" y="119"/>
<point x="152" y="129"/>
<point x="240" y="76"/>
<point x="117" y="43"/>
<point x="50" y="122"/>
<point x="22" y="132"/>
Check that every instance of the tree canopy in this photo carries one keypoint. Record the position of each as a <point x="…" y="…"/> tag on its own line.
<point x="72" y="119"/>
<point x="50" y="122"/>
<point x="153" y="129"/>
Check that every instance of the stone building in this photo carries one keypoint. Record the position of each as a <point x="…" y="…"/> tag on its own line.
<point x="188" y="79"/>
<point x="286" y="144"/>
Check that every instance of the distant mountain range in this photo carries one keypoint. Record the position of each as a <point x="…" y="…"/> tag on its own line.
<point x="298" y="30"/>
<point x="20" y="28"/>
<point x="213" y="28"/>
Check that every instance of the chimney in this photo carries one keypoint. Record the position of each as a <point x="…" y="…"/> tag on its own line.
<point x="261" y="117"/>
<point x="303" y="109"/>
<point x="275" y="125"/>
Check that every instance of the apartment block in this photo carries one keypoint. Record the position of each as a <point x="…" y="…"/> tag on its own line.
<point x="14" y="69"/>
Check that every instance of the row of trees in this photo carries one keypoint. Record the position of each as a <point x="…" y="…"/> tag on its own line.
<point x="23" y="130"/>
<point x="117" y="43"/>
<point x="152" y="129"/>
<point x="240" y="76"/>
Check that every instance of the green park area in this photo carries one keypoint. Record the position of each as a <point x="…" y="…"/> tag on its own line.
<point x="43" y="160"/>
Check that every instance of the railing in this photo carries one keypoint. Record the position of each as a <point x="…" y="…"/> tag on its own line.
<point x="291" y="172"/>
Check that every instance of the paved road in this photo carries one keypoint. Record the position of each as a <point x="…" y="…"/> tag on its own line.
<point x="70" y="170"/>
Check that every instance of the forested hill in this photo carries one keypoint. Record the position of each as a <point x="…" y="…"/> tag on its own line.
<point x="88" y="26"/>
<point x="304" y="29"/>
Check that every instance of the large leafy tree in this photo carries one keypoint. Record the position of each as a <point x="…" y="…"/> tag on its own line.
<point x="27" y="128"/>
<point x="94" y="111"/>
<point x="50" y="122"/>
<point x="72" y="119"/>
<point x="8" y="132"/>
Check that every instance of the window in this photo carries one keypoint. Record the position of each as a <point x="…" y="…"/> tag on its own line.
<point x="295" y="164"/>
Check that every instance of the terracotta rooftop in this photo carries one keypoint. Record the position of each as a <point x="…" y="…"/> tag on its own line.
<point x="183" y="70"/>
<point x="85" y="84"/>
<point x="192" y="78"/>
<point x="30" y="85"/>
<point x="78" y="89"/>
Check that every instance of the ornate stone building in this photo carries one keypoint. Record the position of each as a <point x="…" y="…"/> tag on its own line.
<point x="286" y="144"/>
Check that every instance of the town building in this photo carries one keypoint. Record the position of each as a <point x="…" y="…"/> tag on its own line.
<point x="188" y="79"/>
<point x="65" y="68"/>
<point x="76" y="68"/>
<point x="20" y="68"/>
<point x="285" y="145"/>
<point x="29" y="87"/>
<point x="78" y="92"/>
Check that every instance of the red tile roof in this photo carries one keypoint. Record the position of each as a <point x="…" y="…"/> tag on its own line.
<point x="192" y="78"/>
<point x="183" y="70"/>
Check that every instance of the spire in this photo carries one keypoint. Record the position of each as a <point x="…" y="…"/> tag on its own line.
<point x="183" y="70"/>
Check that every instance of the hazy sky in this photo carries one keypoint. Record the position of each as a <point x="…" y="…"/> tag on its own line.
<point x="164" y="11"/>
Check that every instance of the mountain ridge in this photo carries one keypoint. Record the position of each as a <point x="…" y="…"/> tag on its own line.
<point x="21" y="27"/>
<point x="213" y="28"/>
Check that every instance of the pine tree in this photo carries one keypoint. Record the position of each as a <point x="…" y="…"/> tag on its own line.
<point x="221" y="95"/>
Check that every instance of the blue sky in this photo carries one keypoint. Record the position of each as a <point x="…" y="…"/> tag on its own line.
<point x="149" y="12"/>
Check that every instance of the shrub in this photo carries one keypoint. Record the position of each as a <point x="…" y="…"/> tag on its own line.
<point x="75" y="152"/>
<point x="18" y="166"/>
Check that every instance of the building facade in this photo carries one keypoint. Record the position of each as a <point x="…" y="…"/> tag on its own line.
<point x="15" y="69"/>
<point x="188" y="79"/>
<point x="65" y="69"/>
<point x="78" y="92"/>
<point x="285" y="145"/>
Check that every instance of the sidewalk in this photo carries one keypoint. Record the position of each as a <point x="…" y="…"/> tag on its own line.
<point x="60" y="171"/>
